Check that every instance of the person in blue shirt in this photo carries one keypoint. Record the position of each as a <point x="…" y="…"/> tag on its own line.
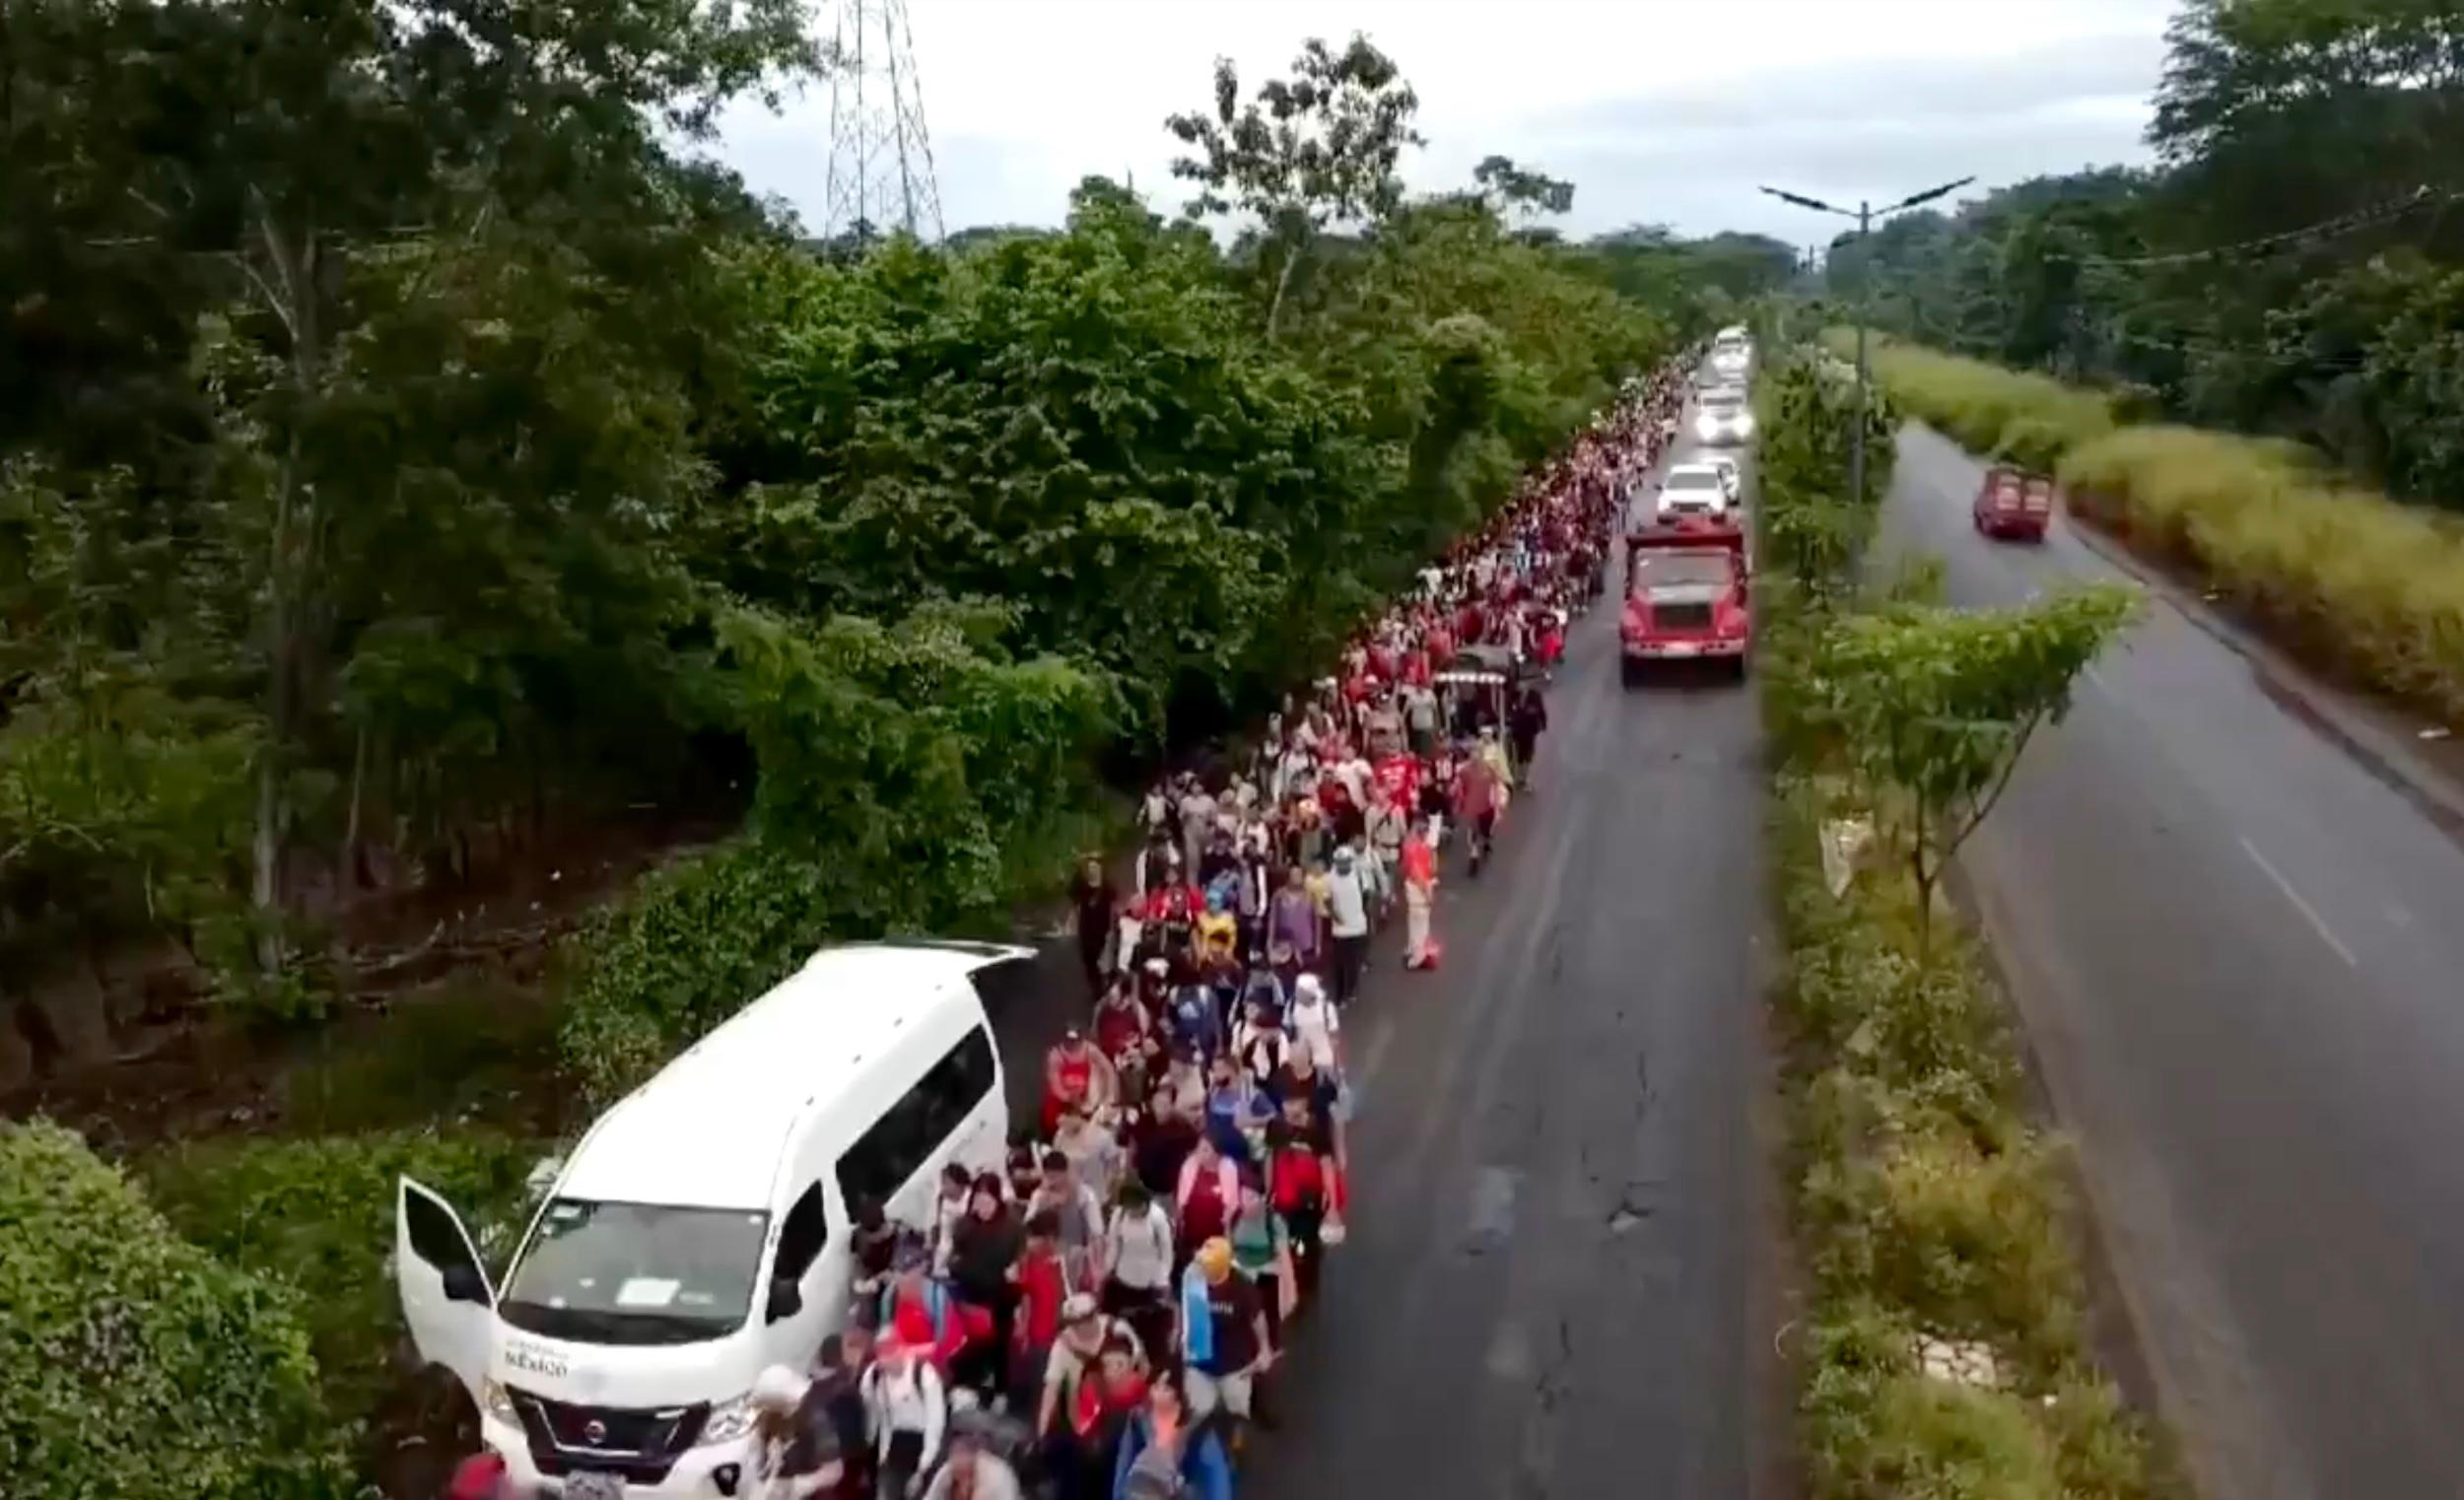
<point x="1164" y="1452"/>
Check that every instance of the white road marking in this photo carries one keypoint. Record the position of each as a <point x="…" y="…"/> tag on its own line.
<point x="2097" y="679"/>
<point x="2318" y="922"/>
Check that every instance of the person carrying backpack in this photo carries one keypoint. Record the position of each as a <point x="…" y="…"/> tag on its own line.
<point x="1168" y="1455"/>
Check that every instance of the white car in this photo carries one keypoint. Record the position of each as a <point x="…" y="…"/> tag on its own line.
<point x="1692" y="490"/>
<point x="1722" y="420"/>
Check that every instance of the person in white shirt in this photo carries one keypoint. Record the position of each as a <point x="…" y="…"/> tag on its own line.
<point x="1348" y="923"/>
<point x="1137" y="1254"/>
<point x="908" y="1409"/>
<point x="1315" y="1024"/>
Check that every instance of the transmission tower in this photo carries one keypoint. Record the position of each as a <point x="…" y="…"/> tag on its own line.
<point x="880" y="159"/>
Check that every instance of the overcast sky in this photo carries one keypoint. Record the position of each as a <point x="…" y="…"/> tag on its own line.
<point x="1659" y="110"/>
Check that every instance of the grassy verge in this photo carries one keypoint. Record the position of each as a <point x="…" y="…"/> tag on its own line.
<point x="2352" y="581"/>
<point x="1928" y="1206"/>
<point x="1943" y="1347"/>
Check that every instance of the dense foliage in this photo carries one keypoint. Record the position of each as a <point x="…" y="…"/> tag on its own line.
<point x="428" y="459"/>
<point x="413" y="453"/>
<point x="2292" y="266"/>
<point x="315" y="1215"/>
<point x="1930" y="1209"/>
<point x="133" y="1363"/>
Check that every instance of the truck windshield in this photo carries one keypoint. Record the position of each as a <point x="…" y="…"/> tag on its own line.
<point x="634" y="1274"/>
<point x="1679" y="570"/>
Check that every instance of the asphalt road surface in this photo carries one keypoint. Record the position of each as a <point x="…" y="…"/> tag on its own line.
<point x="2239" y="955"/>
<point x="1554" y="1282"/>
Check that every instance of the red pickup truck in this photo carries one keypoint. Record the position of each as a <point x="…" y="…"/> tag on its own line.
<point x="2012" y="503"/>
<point x="1687" y="598"/>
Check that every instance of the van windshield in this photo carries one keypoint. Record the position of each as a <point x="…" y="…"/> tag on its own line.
<point x="634" y="1274"/>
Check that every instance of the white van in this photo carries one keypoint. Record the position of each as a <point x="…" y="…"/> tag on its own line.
<point x="700" y="1232"/>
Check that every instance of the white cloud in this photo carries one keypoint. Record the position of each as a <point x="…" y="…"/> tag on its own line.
<point x="1659" y="110"/>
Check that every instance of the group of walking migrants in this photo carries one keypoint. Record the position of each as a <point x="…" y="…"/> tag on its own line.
<point x="1100" y="1321"/>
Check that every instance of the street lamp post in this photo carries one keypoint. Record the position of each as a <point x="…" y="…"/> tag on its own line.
<point x="1865" y="213"/>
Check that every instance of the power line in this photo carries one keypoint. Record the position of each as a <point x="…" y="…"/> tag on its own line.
<point x="2343" y="223"/>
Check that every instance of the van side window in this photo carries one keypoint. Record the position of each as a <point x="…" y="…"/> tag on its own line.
<point x="907" y="1135"/>
<point x="801" y="1235"/>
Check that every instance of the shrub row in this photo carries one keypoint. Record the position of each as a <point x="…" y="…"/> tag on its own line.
<point x="316" y="1216"/>
<point x="2343" y="575"/>
<point x="1927" y="1204"/>
<point x="134" y="1363"/>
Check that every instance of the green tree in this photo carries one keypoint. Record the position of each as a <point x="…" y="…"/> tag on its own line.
<point x="1932" y="707"/>
<point x="1305" y="153"/>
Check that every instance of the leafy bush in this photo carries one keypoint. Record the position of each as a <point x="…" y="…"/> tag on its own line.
<point x="903" y="773"/>
<point x="135" y="1364"/>
<point x="316" y="1215"/>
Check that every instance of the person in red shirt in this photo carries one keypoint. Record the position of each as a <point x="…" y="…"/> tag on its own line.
<point x="1042" y="1277"/>
<point x="1076" y="1074"/>
<point x="1419" y="869"/>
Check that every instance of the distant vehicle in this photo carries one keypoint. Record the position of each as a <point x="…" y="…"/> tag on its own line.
<point x="1687" y="598"/>
<point x="2012" y="503"/>
<point x="701" y="1231"/>
<point x="1724" y="420"/>
<point x="1727" y="474"/>
<point x="1692" y="490"/>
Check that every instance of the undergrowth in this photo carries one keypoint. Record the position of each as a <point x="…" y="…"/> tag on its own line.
<point x="1928" y="1204"/>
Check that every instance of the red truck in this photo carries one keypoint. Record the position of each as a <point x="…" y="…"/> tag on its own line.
<point x="1687" y="598"/>
<point x="2012" y="503"/>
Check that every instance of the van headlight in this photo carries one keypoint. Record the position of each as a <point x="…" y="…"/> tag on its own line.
<point x="1744" y="424"/>
<point x="728" y="1421"/>
<point x="1704" y="426"/>
<point x="499" y="1401"/>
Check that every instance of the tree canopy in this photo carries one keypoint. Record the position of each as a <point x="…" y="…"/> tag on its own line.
<point x="2291" y="266"/>
<point x="411" y="453"/>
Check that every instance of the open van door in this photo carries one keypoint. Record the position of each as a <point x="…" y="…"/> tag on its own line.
<point x="445" y="1297"/>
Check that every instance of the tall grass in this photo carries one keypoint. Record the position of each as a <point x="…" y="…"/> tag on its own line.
<point x="2344" y="575"/>
<point x="2340" y="573"/>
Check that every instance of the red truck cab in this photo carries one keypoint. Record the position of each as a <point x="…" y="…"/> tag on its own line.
<point x="1687" y="598"/>
<point x="2012" y="503"/>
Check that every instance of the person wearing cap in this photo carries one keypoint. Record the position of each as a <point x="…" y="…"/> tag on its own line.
<point x="908" y="1406"/>
<point x="975" y="1470"/>
<point x="795" y="1444"/>
<point x="1224" y="1345"/>
<point x="1068" y="1415"/>
<point x="1348" y="921"/>
<point x="1314" y="1026"/>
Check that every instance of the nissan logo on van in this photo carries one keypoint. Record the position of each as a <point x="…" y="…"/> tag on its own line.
<point x="594" y="1432"/>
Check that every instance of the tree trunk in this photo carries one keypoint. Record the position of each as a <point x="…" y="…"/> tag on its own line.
<point x="1283" y="286"/>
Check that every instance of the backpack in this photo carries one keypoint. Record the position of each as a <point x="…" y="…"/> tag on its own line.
<point x="1299" y="1179"/>
<point x="1154" y="1475"/>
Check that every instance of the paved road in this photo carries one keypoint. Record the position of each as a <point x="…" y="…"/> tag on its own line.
<point x="1554" y="1283"/>
<point x="2239" y="955"/>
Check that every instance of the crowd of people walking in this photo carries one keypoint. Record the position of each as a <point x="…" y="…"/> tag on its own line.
<point x="1102" y="1319"/>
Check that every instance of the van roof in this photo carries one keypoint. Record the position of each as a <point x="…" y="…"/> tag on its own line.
<point x="707" y="1132"/>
